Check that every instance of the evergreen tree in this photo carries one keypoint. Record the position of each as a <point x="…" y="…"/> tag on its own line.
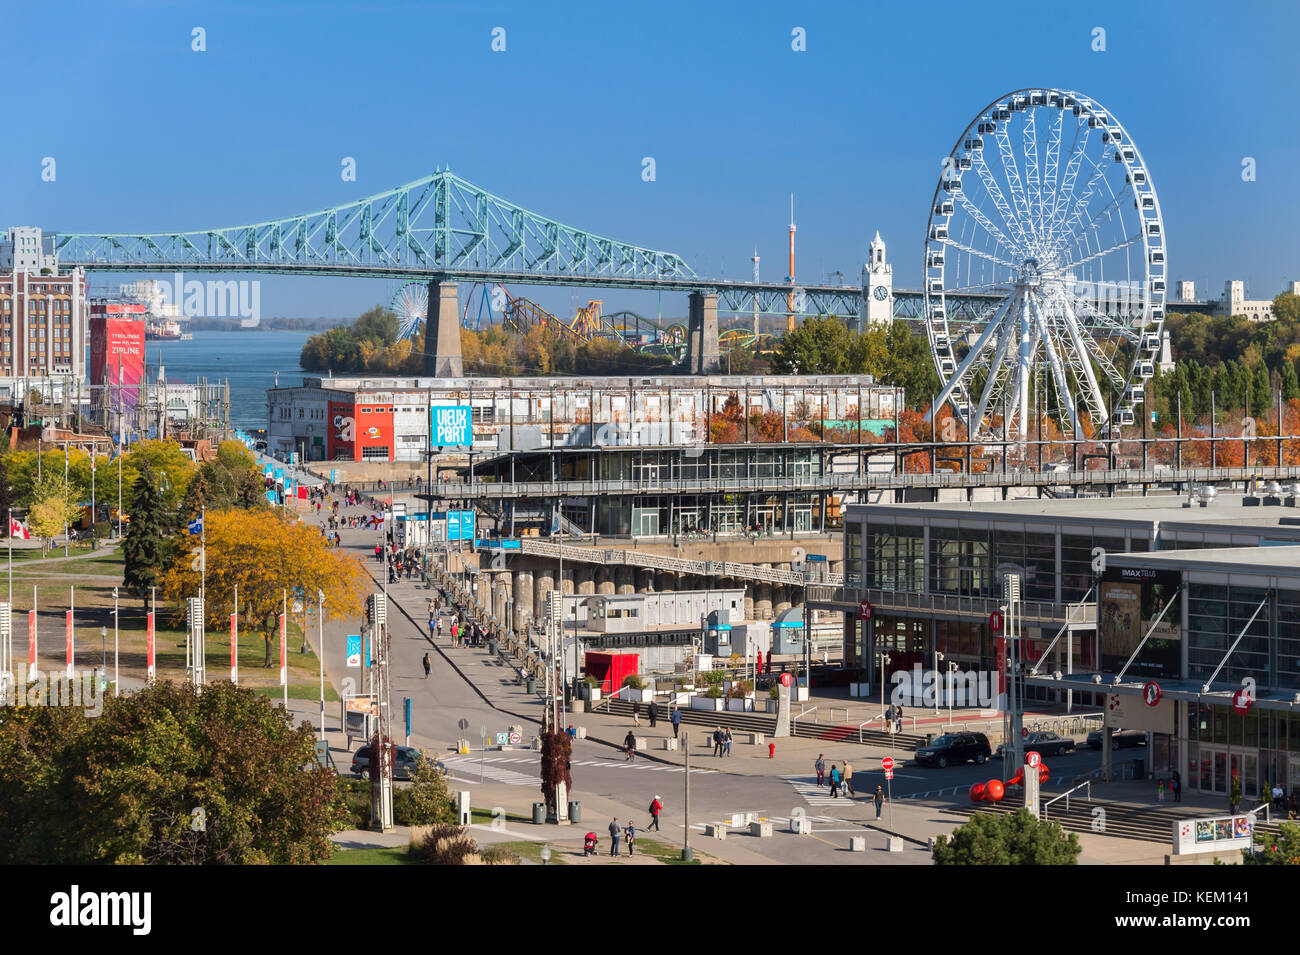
<point x="143" y="550"/>
<point x="1290" y="384"/>
<point x="1261" y="395"/>
<point x="1007" y="839"/>
<point x="198" y="496"/>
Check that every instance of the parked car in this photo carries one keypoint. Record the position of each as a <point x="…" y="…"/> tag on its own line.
<point x="953" y="748"/>
<point x="1045" y="744"/>
<point x="406" y="758"/>
<point x="1119" y="738"/>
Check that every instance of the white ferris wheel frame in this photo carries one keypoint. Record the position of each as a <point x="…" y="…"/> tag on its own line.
<point x="1043" y="316"/>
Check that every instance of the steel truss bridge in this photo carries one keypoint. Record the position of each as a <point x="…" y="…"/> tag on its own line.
<point x="445" y="228"/>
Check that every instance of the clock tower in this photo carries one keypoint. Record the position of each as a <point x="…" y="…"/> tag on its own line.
<point x="877" y="287"/>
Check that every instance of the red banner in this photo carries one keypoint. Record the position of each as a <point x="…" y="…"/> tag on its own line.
<point x="234" y="648"/>
<point x="1002" y="665"/>
<point x="148" y="645"/>
<point x="31" y="640"/>
<point x="67" y="638"/>
<point x="284" y="651"/>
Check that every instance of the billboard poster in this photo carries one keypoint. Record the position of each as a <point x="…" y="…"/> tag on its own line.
<point x="342" y="432"/>
<point x="117" y="359"/>
<point x="449" y="426"/>
<point x="1130" y="600"/>
<point x="374" y="433"/>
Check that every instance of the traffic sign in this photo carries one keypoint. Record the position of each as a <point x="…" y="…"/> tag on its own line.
<point x="463" y="724"/>
<point x="995" y="621"/>
<point x="864" y="610"/>
<point x="887" y="763"/>
<point x="502" y="739"/>
<point x="1033" y="758"/>
<point x="1024" y="733"/>
<point x="1151" y="692"/>
<point x="514" y="738"/>
<point x="1242" y="701"/>
<point x="889" y="774"/>
<point x="786" y="679"/>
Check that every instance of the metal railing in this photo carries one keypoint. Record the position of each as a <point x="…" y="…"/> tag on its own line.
<point x="794" y="720"/>
<point x="1086" y="784"/>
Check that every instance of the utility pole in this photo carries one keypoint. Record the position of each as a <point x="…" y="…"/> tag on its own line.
<point x="1013" y="749"/>
<point x="320" y="651"/>
<point x="686" y="803"/>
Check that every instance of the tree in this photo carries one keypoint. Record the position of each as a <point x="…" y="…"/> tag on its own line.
<point x="55" y="506"/>
<point x="1290" y="384"/>
<point x="198" y="497"/>
<point x="426" y="801"/>
<point x="1286" y="308"/>
<point x="144" y="550"/>
<point x="1007" y="839"/>
<point x="7" y="497"/>
<point x="556" y="751"/>
<point x="265" y="554"/>
<point x="1280" y="849"/>
<point x="819" y="346"/>
<point x="165" y="775"/>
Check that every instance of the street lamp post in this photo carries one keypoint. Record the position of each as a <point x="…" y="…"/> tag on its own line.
<point x="952" y="668"/>
<point x="320" y="653"/>
<point x="938" y="657"/>
<point x="117" y="686"/>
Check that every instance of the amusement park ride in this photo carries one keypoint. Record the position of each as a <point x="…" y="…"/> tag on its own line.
<point x="489" y="305"/>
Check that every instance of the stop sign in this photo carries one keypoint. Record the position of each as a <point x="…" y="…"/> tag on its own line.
<point x="864" y="610"/>
<point x="995" y="621"/>
<point x="1151" y="692"/>
<point x="1242" y="701"/>
<point x="786" y="679"/>
<point x="887" y="763"/>
<point x="1032" y="758"/>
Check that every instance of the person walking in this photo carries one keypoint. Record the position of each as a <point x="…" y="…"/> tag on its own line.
<point x="636" y="713"/>
<point x="426" y="666"/>
<point x="675" y="715"/>
<point x="1176" y="784"/>
<point x="835" y="782"/>
<point x="848" y="779"/>
<point x="629" y="836"/>
<point x="879" y="800"/>
<point x="820" y="766"/>
<point x="717" y="742"/>
<point x="629" y="745"/>
<point x="656" y="807"/>
<point x="898" y="719"/>
<point x="653" y="713"/>
<point x="614" y="833"/>
<point x="726" y="741"/>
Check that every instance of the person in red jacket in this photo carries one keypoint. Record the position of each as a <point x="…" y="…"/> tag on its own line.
<point x="656" y="807"/>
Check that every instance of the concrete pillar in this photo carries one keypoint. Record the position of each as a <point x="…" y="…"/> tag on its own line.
<point x="623" y="580"/>
<point x="703" y="356"/>
<point x="606" y="579"/>
<point x="524" y="598"/>
<point x="780" y="599"/>
<point x="442" y="357"/>
<point x="762" y="600"/>
<point x="749" y="601"/>
<point x="700" y="583"/>
<point x="666" y="582"/>
<point x="567" y="580"/>
<point x="543" y="584"/>
<point x="584" y="580"/>
<point x="645" y="580"/>
<point x="502" y="590"/>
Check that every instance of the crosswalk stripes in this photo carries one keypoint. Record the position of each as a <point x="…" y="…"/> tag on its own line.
<point x="814" y="795"/>
<point x="469" y="769"/>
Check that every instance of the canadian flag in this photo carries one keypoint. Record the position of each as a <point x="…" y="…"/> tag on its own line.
<point x="18" y="529"/>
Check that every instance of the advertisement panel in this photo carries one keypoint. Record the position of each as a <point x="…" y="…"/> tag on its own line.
<point x="460" y="525"/>
<point x="1124" y="711"/>
<point x="1129" y="602"/>
<point x="117" y="343"/>
<point x="449" y="426"/>
<point x="342" y="432"/>
<point x="374" y="433"/>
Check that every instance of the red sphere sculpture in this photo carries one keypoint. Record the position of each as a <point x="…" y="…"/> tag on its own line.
<point x="994" y="790"/>
<point x="977" y="792"/>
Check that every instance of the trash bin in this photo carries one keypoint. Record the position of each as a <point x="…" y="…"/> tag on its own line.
<point x="531" y="685"/>
<point x="539" y="813"/>
<point x="575" y="811"/>
<point x="492" y="647"/>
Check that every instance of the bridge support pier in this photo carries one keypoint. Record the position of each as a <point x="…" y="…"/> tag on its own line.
<point x="584" y="580"/>
<point x="703" y="356"/>
<point x="543" y="584"/>
<point x="624" y="580"/>
<point x="762" y="600"/>
<point x="605" y="579"/>
<point x="523" y="597"/>
<point x="442" y="357"/>
<point x="645" y="580"/>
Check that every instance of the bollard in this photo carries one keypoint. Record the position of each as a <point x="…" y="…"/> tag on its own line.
<point x="762" y="829"/>
<point x="771" y="750"/>
<point x="857" y="843"/>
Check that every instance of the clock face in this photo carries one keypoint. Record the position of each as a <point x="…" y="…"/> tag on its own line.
<point x="881" y="293"/>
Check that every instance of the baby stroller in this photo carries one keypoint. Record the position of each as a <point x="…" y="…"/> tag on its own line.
<point x="589" y="844"/>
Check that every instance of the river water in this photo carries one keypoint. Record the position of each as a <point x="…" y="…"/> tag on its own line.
<point x="248" y="359"/>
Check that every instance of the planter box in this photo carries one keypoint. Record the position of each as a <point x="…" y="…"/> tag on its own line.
<point x="772" y="706"/>
<point x="636" y="696"/>
<point x="590" y="693"/>
<point x="741" y="705"/>
<point x="706" y="703"/>
<point x="799" y="694"/>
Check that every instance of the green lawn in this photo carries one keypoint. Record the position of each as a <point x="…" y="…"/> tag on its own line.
<point x="668" y="855"/>
<point x="531" y="851"/>
<point x="394" y="856"/>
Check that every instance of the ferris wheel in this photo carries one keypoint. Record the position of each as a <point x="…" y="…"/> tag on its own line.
<point x="1044" y="269"/>
<point x="411" y="303"/>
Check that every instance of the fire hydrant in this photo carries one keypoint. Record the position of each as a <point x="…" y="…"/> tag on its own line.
<point x="771" y="750"/>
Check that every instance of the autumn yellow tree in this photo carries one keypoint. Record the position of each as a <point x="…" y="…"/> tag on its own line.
<point x="266" y="554"/>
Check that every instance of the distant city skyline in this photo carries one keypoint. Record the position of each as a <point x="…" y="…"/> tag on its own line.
<point x="158" y="136"/>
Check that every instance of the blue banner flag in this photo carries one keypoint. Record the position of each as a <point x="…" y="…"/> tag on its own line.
<point x="195" y="526"/>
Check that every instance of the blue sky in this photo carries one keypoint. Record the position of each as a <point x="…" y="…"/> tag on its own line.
<point x="150" y="136"/>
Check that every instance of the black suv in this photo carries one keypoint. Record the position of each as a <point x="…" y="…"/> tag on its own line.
<point x="954" y="748"/>
<point x="405" y="758"/>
